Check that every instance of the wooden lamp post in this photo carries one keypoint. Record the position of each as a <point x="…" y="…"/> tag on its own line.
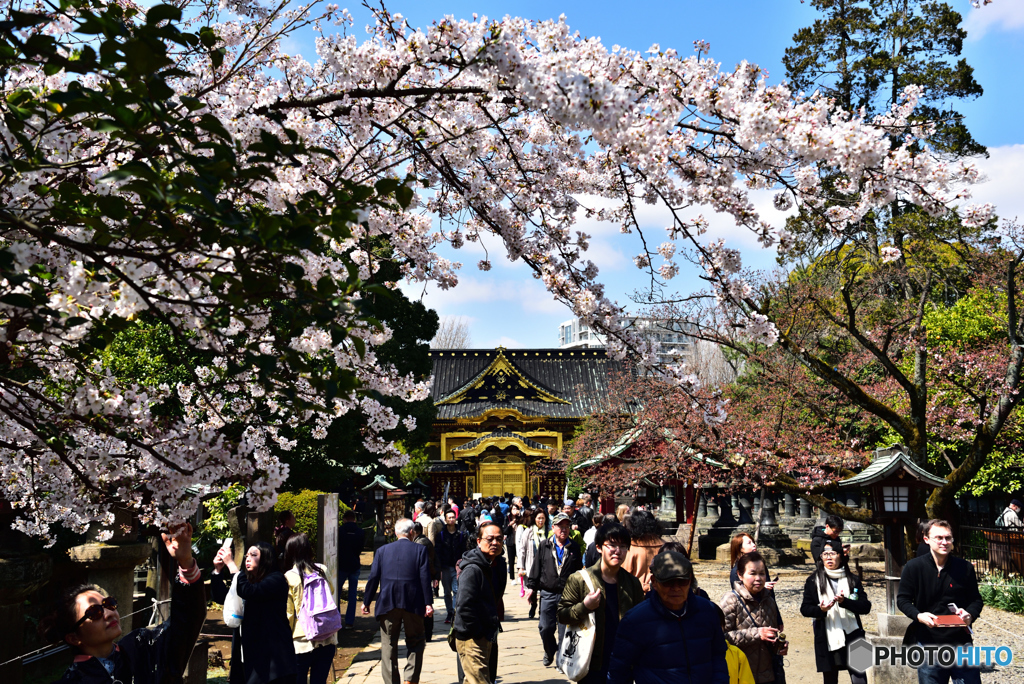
<point x="893" y="480"/>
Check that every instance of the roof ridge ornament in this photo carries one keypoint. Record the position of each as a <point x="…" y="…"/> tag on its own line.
<point x="508" y="381"/>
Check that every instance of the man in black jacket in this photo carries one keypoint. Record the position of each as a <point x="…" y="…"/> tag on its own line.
<point x="927" y="586"/>
<point x="351" y="540"/>
<point x="833" y="528"/>
<point x="451" y="544"/>
<point x="557" y="557"/>
<point x="477" y="618"/>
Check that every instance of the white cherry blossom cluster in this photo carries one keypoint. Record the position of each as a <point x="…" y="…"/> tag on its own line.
<point x="505" y="126"/>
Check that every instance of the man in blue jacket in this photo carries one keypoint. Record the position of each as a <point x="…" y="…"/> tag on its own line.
<point x="672" y="637"/>
<point x="402" y="571"/>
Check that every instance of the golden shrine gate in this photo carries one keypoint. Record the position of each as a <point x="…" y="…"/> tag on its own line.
<point x="503" y="415"/>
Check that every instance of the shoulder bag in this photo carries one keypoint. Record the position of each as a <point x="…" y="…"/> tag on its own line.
<point x="578" y="644"/>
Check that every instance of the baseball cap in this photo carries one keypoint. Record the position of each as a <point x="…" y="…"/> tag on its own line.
<point x="559" y="517"/>
<point x="1017" y="503"/>
<point x="569" y="502"/>
<point x="671" y="565"/>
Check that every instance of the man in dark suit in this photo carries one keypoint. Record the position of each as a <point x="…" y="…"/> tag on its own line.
<point x="402" y="571"/>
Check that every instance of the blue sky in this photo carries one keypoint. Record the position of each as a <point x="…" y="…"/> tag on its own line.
<point x="507" y="306"/>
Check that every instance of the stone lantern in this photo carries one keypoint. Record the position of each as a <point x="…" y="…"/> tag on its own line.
<point x="378" y="491"/>
<point x="892" y="480"/>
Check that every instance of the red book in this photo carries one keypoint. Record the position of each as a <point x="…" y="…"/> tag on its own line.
<point x="949" y="621"/>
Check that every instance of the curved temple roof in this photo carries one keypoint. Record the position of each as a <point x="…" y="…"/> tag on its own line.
<point x="557" y="383"/>
<point x="501" y="435"/>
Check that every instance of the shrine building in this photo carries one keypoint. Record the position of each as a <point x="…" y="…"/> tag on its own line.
<point x="504" y="414"/>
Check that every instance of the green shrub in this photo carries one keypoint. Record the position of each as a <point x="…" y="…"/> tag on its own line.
<point x="1005" y="593"/>
<point x="303" y="505"/>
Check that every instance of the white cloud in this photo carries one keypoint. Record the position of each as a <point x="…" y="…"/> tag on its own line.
<point x="503" y="341"/>
<point x="1003" y="170"/>
<point x="1001" y="15"/>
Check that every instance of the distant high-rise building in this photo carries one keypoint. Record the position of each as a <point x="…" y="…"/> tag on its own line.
<point x="674" y="344"/>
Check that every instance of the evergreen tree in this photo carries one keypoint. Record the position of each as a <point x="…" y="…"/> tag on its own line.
<point x="864" y="53"/>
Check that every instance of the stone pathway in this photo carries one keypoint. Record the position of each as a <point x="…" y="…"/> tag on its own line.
<point x="519" y="655"/>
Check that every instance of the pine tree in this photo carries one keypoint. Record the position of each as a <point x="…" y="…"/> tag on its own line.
<point x="864" y="53"/>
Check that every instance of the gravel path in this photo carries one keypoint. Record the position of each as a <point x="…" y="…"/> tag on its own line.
<point x="995" y="628"/>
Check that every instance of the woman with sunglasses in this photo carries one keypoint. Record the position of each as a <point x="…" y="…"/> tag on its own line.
<point x="88" y="621"/>
<point x="835" y="598"/>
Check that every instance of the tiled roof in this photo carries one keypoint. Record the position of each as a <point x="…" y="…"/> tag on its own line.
<point x="449" y="467"/>
<point x="505" y="433"/>
<point x="577" y="377"/>
<point x="887" y="462"/>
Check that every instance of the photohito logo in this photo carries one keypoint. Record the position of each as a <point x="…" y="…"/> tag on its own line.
<point x="862" y="655"/>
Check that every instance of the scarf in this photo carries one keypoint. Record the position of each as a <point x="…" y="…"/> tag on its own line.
<point x="838" y="620"/>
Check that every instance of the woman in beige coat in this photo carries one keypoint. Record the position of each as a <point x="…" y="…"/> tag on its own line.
<point x="526" y="547"/>
<point x="752" y="618"/>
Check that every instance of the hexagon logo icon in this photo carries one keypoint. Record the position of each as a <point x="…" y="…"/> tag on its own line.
<point x="860" y="655"/>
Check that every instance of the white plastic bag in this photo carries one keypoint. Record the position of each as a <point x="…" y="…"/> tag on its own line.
<point x="578" y="644"/>
<point x="234" y="607"/>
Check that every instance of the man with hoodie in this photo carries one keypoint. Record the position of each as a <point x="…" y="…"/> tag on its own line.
<point x="833" y="528"/>
<point x="477" y="611"/>
<point x="556" y="558"/>
<point x="674" y="636"/>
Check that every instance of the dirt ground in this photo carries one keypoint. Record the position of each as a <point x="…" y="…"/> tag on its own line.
<point x="351" y="640"/>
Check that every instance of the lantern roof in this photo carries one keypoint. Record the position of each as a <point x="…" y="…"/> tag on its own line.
<point x="415" y="482"/>
<point x="381" y="483"/>
<point x="888" y="463"/>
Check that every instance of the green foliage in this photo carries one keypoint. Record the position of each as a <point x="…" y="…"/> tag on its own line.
<point x="1001" y="473"/>
<point x="215" y="525"/>
<point x="1005" y="593"/>
<point x="975" y="319"/>
<point x="417" y="465"/>
<point x="304" y="506"/>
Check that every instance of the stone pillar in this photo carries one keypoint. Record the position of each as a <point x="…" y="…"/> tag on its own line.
<point x="789" y="504"/>
<point x="21" y="573"/>
<point x="805" y="509"/>
<point x="112" y="566"/>
<point x="702" y="506"/>
<point x="327" y="536"/>
<point x="756" y="501"/>
<point x="734" y="506"/>
<point x="768" y="514"/>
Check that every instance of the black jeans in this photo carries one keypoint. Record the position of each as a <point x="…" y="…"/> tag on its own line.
<point x="833" y="677"/>
<point x="316" y="664"/>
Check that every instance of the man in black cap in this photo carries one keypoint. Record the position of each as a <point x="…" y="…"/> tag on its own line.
<point x="673" y="636"/>
<point x="1010" y="516"/>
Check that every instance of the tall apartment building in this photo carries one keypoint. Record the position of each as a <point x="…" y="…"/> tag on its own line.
<point x="676" y="345"/>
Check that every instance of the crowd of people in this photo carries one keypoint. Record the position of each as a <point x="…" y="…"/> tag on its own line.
<point x="575" y="569"/>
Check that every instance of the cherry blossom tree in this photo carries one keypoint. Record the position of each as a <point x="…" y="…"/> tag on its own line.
<point x="191" y="171"/>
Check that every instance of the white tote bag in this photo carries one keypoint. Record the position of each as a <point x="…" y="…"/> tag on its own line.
<point x="578" y="644"/>
<point x="234" y="607"/>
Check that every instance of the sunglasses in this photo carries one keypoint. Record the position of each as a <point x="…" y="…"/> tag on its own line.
<point x="96" y="610"/>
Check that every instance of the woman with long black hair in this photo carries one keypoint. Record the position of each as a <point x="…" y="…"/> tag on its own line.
<point x="87" y="620"/>
<point x="313" y="658"/>
<point x="835" y="598"/>
<point x="261" y="648"/>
